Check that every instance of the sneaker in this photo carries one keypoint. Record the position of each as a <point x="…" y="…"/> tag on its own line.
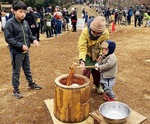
<point x="99" y="89"/>
<point x="108" y="99"/>
<point x="17" y="94"/>
<point x="34" y="86"/>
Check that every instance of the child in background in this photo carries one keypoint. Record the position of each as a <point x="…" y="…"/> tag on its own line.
<point x="4" y="18"/>
<point x="48" y="25"/>
<point x="64" y="24"/>
<point x="53" y="24"/>
<point x="86" y="18"/>
<point x="108" y="68"/>
<point x="18" y="35"/>
<point x="147" y="18"/>
<point x="112" y="18"/>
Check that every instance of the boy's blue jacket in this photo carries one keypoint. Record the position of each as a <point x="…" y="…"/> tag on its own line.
<point x="17" y="34"/>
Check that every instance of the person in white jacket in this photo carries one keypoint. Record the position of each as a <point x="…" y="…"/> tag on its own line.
<point x="4" y="18"/>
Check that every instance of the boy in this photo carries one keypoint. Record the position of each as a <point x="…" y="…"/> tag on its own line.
<point x="108" y="68"/>
<point x="18" y="35"/>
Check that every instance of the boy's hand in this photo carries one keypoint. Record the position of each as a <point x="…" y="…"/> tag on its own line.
<point x="35" y="42"/>
<point x="25" y="48"/>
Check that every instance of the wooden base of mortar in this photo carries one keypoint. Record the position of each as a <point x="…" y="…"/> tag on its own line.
<point x="50" y="105"/>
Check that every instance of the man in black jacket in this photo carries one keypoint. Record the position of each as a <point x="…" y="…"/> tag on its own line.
<point x="73" y="17"/>
<point x="137" y="16"/>
<point x="31" y="19"/>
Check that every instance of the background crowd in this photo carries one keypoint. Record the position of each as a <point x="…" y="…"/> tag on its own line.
<point x="53" y="20"/>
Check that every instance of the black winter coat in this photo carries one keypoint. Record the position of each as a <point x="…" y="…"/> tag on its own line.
<point x="17" y="34"/>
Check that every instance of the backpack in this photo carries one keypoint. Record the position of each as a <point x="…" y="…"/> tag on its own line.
<point x="130" y="13"/>
<point x="48" y="23"/>
<point x="36" y="19"/>
<point x="137" y="12"/>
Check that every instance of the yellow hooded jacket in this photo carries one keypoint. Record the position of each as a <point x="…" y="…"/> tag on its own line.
<point x="146" y="16"/>
<point x="85" y="42"/>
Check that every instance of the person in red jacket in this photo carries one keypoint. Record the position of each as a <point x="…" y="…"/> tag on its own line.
<point x="73" y="16"/>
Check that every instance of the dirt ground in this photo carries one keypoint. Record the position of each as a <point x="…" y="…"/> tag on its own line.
<point x="54" y="57"/>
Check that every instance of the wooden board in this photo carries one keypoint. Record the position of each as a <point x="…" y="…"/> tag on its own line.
<point x="147" y="60"/>
<point x="50" y="105"/>
<point x="134" y="118"/>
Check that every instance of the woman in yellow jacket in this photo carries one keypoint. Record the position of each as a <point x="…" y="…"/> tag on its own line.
<point x="89" y="47"/>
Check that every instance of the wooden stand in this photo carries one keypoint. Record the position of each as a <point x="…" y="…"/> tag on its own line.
<point x="134" y="118"/>
<point x="72" y="103"/>
<point x="95" y="117"/>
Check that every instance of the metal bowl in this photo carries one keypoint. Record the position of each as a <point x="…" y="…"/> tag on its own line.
<point x="114" y="112"/>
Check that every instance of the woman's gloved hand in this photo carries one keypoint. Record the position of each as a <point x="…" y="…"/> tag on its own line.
<point x="82" y="64"/>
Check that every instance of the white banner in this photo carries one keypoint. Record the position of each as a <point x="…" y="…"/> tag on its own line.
<point x="80" y="24"/>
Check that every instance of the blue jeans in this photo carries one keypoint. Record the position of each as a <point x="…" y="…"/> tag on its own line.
<point x="58" y="27"/>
